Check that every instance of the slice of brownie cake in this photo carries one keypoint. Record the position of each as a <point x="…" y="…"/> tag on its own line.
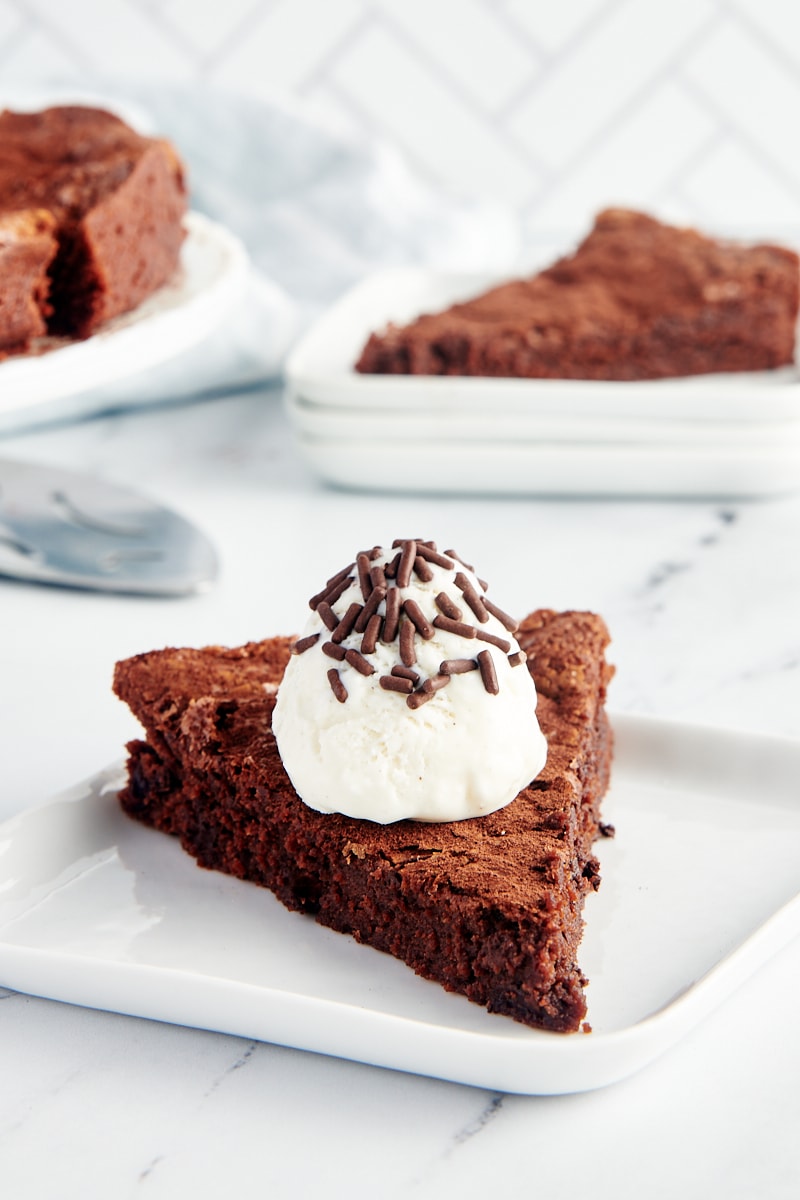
<point x="490" y="907"/>
<point x="116" y="199"/>
<point x="637" y="300"/>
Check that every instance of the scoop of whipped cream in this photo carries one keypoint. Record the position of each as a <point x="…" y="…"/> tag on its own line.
<point x="407" y="695"/>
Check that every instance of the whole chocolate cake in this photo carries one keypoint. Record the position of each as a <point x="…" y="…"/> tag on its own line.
<point x="489" y="906"/>
<point x="112" y="203"/>
<point x="637" y="300"/>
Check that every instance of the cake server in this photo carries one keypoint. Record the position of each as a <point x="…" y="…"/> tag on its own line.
<point x="63" y="527"/>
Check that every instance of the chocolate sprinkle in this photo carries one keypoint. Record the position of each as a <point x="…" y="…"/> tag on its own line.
<point x="488" y="673"/>
<point x="327" y="615"/>
<point x="362" y="562"/>
<point x="392" y="618"/>
<point x="408" y="654"/>
<point x="517" y="658"/>
<point x="503" y="617"/>
<point x="373" y="632"/>
<point x="458" y="558"/>
<point x="422" y="570"/>
<point x="501" y="643"/>
<point x="459" y="627"/>
<point x="396" y="683"/>
<point x="471" y="597"/>
<point x="333" y="651"/>
<point x="406" y="564"/>
<point x="360" y="663"/>
<point x="417" y="699"/>
<point x="390" y="569"/>
<point x="421" y="622"/>
<point x="339" y="576"/>
<point x="347" y="622"/>
<point x="370" y="608"/>
<point x="458" y="666"/>
<point x="448" y="606"/>
<point x="377" y="577"/>
<point x="405" y="673"/>
<point x="337" y="687"/>
<point x="435" y="683"/>
<point x="303" y="644"/>
<point x="428" y="550"/>
<point x="331" y="593"/>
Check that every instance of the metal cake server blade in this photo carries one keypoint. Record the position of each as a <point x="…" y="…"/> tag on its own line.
<point x="63" y="527"/>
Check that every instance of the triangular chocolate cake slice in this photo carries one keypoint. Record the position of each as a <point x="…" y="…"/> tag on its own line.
<point x="636" y="300"/>
<point x="490" y="907"/>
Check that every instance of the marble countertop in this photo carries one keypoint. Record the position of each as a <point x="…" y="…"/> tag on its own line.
<point x="702" y="602"/>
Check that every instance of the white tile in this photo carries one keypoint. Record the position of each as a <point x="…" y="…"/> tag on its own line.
<point x="604" y="74"/>
<point x="678" y="209"/>
<point x="779" y="20"/>
<point x="739" y="193"/>
<point x="756" y="93"/>
<point x="9" y="23"/>
<point x="470" y="44"/>
<point x="552" y="25"/>
<point x="606" y="112"/>
<point x="633" y="164"/>
<point x="411" y="105"/>
<point x="36" y="57"/>
<point x="282" y="51"/>
<point x="117" y="38"/>
<point x="206" y="26"/>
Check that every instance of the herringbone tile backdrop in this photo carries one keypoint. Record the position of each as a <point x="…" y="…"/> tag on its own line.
<point x="687" y="107"/>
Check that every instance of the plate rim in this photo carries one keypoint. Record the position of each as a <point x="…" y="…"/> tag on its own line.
<point x="609" y="470"/>
<point x="532" y="1062"/>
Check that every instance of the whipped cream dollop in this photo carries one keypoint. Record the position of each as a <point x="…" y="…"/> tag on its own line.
<point x="407" y="695"/>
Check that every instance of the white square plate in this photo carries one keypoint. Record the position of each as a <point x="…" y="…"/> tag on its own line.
<point x="733" y="435"/>
<point x="700" y="886"/>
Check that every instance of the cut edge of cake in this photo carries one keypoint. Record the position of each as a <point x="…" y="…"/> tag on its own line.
<point x="28" y="246"/>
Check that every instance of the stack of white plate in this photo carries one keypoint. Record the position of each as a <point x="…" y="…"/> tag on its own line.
<point x="714" y="435"/>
